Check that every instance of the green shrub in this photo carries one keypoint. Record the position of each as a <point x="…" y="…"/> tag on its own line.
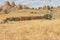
<point x="48" y="16"/>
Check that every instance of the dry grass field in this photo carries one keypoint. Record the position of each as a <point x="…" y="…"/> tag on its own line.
<point x="20" y="22"/>
<point x="23" y="12"/>
<point x="31" y="29"/>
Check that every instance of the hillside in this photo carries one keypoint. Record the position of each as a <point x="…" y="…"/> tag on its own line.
<point x="37" y="29"/>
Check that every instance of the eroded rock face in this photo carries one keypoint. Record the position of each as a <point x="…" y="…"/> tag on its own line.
<point x="46" y="7"/>
<point x="6" y="7"/>
<point x="13" y="4"/>
<point x="18" y="7"/>
<point x="0" y="8"/>
<point x="24" y="7"/>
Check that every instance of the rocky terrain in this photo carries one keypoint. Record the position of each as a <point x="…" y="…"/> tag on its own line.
<point x="9" y="7"/>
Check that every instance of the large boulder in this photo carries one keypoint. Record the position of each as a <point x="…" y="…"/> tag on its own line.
<point x="13" y="4"/>
<point x="46" y="7"/>
<point x="18" y="7"/>
<point x="22" y="7"/>
<point x="6" y="7"/>
<point x="25" y="7"/>
<point x="0" y="8"/>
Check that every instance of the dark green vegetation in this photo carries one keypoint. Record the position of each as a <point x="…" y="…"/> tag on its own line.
<point x="48" y="16"/>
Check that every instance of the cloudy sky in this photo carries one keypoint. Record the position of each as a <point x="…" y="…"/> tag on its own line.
<point x="34" y="3"/>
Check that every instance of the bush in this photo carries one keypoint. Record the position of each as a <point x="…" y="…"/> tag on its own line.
<point x="32" y="12"/>
<point x="48" y="16"/>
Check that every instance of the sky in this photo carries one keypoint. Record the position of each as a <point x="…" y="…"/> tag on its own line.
<point x="35" y="3"/>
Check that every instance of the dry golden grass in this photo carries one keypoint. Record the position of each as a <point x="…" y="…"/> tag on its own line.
<point x="22" y="13"/>
<point x="31" y="30"/>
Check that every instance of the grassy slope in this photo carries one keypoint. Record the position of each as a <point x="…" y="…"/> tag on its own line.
<point x="30" y="30"/>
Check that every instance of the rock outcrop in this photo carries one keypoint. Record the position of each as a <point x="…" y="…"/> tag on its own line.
<point x="12" y="4"/>
<point x="0" y="8"/>
<point x="24" y="7"/>
<point x="18" y="7"/>
<point x="6" y="7"/>
<point x="46" y="7"/>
